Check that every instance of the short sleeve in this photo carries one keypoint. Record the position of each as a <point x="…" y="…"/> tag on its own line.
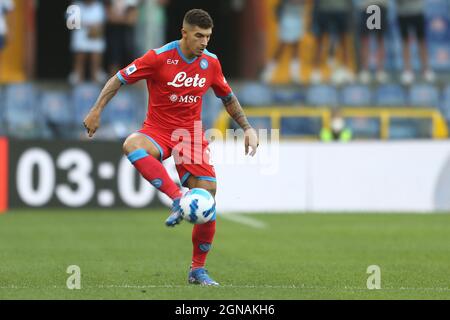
<point x="220" y="85"/>
<point x="141" y="68"/>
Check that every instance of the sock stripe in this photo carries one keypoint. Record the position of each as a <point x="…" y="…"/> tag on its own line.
<point x="137" y="155"/>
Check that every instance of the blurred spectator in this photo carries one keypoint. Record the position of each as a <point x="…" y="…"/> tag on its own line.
<point x="89" y="42"/>
<point x="120" y="28"/>
<point x="411" y="17"/>
<point x="151" y="25"/>
<point x="365" y="33"/>
<point x="337" y="131"/>
<point x="290" y="21"/>
<point x="6" y="6"/>
<point x="332" y="17"/>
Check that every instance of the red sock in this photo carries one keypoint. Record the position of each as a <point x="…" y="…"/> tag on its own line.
<point x="153" y="170"/>
<point x="202" y="238"/>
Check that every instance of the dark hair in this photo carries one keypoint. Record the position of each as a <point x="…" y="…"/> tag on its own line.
<point x="199" y="18"/>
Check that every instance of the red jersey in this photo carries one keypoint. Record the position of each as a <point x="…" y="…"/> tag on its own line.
<point x="176" y="85"/>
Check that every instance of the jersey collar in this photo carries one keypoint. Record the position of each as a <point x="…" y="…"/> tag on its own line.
<point x="182" y="55"/>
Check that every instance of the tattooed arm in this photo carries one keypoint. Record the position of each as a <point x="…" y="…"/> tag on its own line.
<point x="92" y="120"/>
<point x="234" y="109"/>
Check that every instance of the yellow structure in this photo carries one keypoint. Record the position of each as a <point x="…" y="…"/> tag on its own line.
<point x="384" y="115"/>
<point x="307" y="47"/>
<point x="12" y="58"/>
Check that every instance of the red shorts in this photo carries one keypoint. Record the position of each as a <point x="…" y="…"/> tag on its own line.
<point x="191" y="154"/>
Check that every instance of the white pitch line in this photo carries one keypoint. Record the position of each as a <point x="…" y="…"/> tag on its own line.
<point x="245" y="220"/>
<point x="169" y="286"/>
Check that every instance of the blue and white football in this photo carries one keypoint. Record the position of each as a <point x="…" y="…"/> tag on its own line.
<point x="198" y="206"/>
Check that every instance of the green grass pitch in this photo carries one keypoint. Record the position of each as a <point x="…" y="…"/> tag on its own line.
<point x="126" y="254"/>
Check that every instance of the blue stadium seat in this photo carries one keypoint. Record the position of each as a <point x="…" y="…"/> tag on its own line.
<point x="57" y="113"/>
<point x="20" y="115"/>
<point x="445" y="103"/>
<point x="446" y="92"/>
<point x="141" y="96"/>
<point x="364" y="127"/>
<point x="390" y="95"/>
<point x="436" y="7"/>
<point x="255" y="94"/>
<point x="83" y="98"/>
<point x="439" y="55"/>
<point x="300" y="126"/>
<point x="288" y="96"/>
<point x="260" y="122"/>
<point x="356" y="96"/>
<point x="437" y="27"/>
<point x="120" y="116"/>
<point x="410" y="129"/>
<point x="424" y="95"/>
<point x="211" y="108"/>
<point x="322" y="95"/>
<point x="2" y="111"/>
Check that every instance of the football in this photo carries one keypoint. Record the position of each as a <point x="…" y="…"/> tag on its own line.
<point x="197" y="206"/>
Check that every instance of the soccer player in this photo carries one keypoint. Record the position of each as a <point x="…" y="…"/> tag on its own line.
<point x="178" y="75"/>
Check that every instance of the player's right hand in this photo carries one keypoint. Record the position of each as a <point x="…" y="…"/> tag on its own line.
<point x="92" y="122"/>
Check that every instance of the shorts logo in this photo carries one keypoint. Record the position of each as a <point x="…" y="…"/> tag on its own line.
<point x="173" y="98"/>
<point x="204" y="64"/>
<point x="130" y="70"/>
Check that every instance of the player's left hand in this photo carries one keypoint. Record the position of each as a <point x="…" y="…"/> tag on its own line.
<point x="92" y="122"/>
<point x="251" y="141"/>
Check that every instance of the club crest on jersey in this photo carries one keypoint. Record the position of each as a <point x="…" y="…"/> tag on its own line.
<point x="204" y="64"/>
<point x="130" y="70"/>
<point x="173" y="98"/>
<point x="182" y="80"/>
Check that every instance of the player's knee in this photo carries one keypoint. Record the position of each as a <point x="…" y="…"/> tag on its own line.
<point x="129" y="146"/>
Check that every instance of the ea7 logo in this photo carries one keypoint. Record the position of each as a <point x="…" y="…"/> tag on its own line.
<point x="170" y="61"/>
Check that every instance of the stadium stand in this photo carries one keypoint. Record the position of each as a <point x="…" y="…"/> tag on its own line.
<point x="255" y="94"/>
<point x="390" y="95"/>
<point x="322" y="95"/>
<point x="410" y="129"/>
<point x="306" y="127"/>
<point x="445" y="103"/>
<point x="288" y="96"/>
<point x="83" y="97"/>
<point x="356" y="96"/>
<point x="2" y="117"/>
<point x="119" y="117"/>
<point x="21" y="116"/>
<point x="57" y="114"/>
<point x="364" y="127"/>
<point x="424" y="95"/>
